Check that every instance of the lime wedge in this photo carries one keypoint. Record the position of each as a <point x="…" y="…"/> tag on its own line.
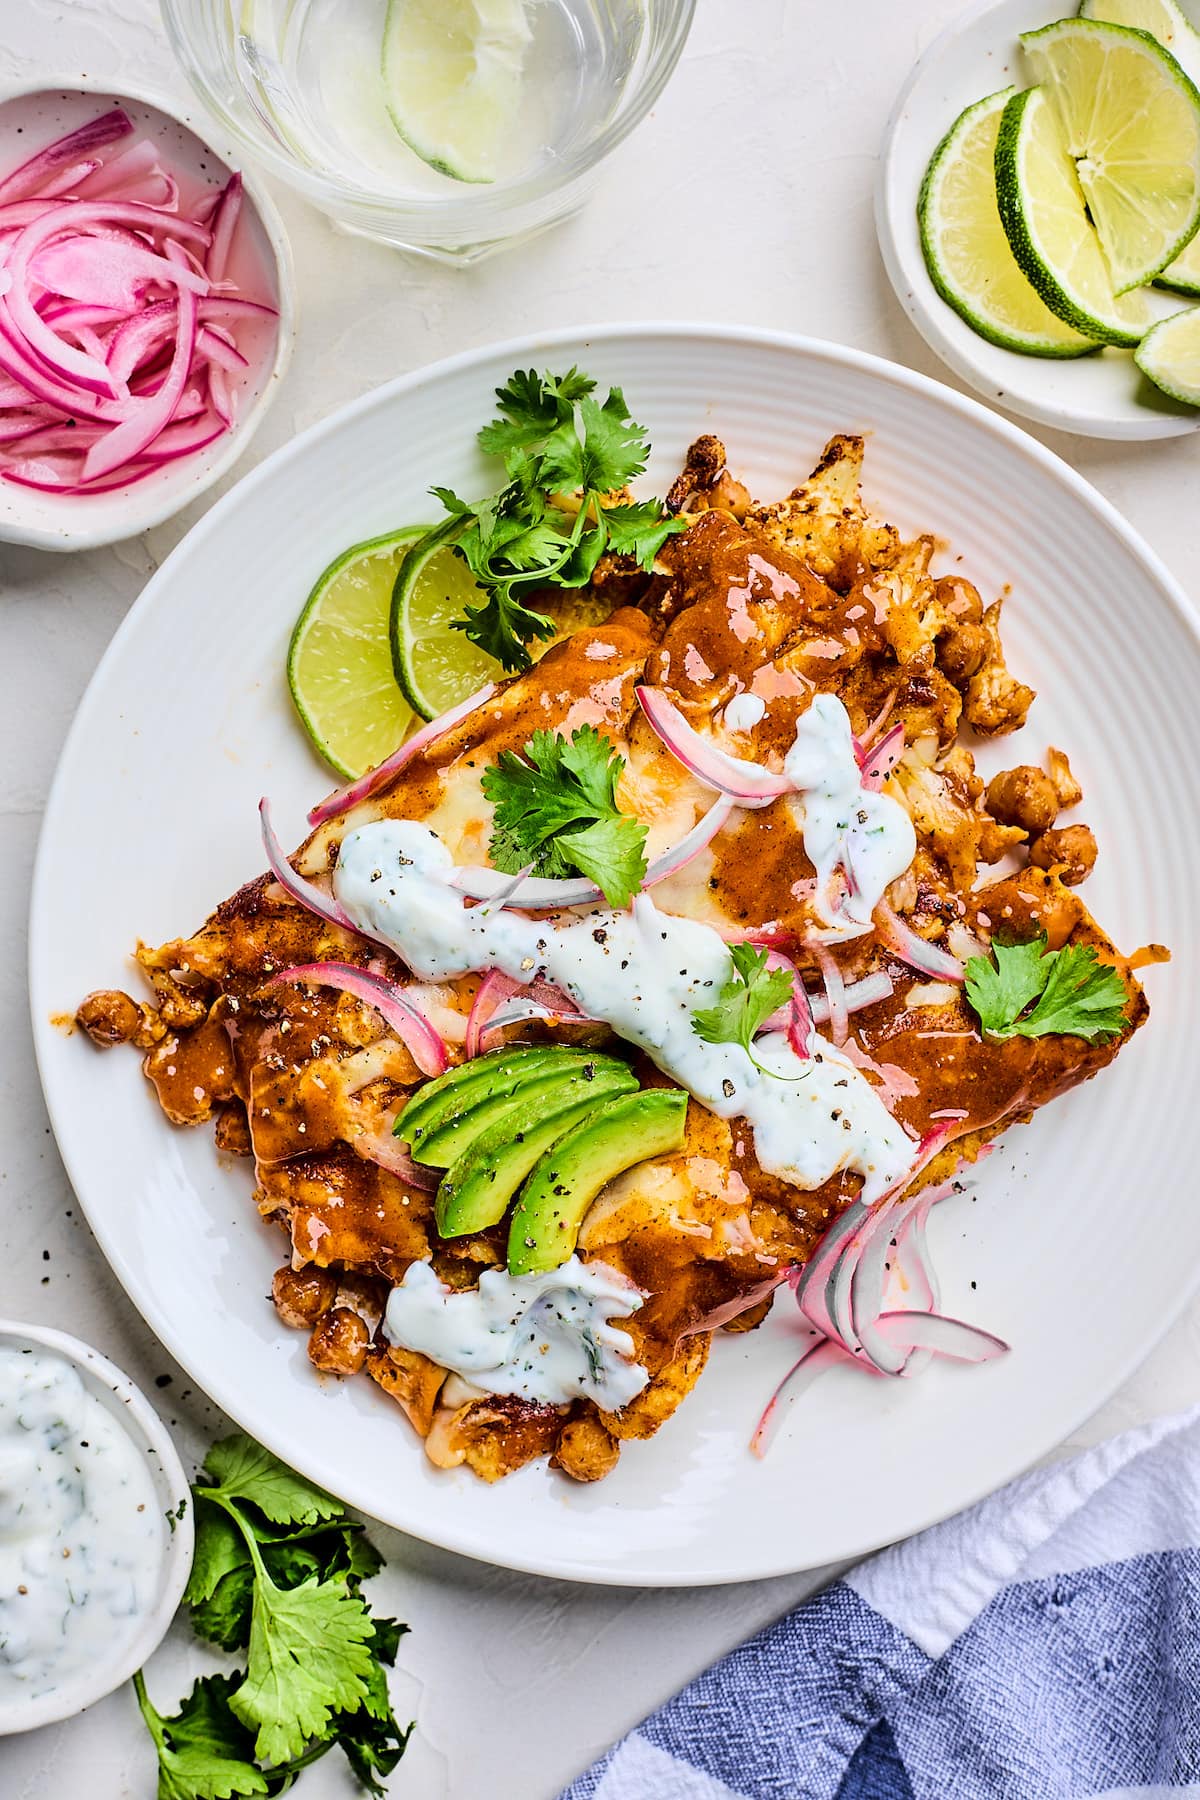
<point x="1164" y="21"/>
<point x="1169" y="355"/>
<point x="452" y="72"/>
<point x="1045" y="219"/>
<point x="1130" y="119"/>
<point x="435" y="665"/>
<point x="968" y="256"/>
<point x="339" y="666"/>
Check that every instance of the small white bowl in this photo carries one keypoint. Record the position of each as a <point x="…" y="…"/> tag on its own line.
<point x="1102" y="396"/>
<point x="133" y="1411"/>
<point x="34" y="113"/>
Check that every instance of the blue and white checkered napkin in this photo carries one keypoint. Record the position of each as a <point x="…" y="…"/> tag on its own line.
<point x="1043" y="1646"/>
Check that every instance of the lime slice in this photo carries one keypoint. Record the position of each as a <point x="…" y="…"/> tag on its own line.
<point x="435" y="665"/>
<point x="1045" y="219"/>
<point x="1184" y="273"/>
<point x="339" y="665"/>
<point x="1169" y="355"/>
<point x="1131" y="120"/>
<point x="1161" y="18"/>
<point x="1164" y="21"/>
<point x="452" y="73"/>
<point x="968" y="256"/>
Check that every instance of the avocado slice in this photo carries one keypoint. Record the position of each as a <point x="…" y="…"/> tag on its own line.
<point x="622" y="1132"/>
<point x="442" y="1145"/>
<point x="499" y="1071"/>
<point x="475" y="1193"/>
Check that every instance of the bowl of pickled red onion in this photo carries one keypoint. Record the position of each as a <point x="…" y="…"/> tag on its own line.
<point x="146" y="314"/>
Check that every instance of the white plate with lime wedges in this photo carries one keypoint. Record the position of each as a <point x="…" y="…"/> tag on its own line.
<point x="1039" y="187"/>
<point x="158" y="788"/>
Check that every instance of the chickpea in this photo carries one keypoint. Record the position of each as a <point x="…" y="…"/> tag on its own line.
<point x="960" y="598"/>
<point x="962" y="652"/>
<point x="302" y="1295"/>
<point x="339" y="1342"/>
<point x="585" y="1451"/>
<point x="109" y="1017"/>
<point x="1023" y="796"/>
<point x="1072" y="851"/>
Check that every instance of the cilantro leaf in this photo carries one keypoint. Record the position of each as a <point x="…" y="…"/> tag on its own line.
<point x="640" y="530"/>
<point x="204" y="1751"/>
<point x="614" y="445"/>
<point x="388" y="1633"/>
<point x="362" y="1561"/>
<point x="219" y="1549"/>
<point x="557" y="441"/>
<point x="531" y="406"/>
<point x="240" y="1469"/>
<point x="371" y="1739"/>
<point x="503" y="627"/>
<point x="373" y="1747"/>
<point x="277" y="1570"/>
<point x="223" y="1618"/>
<point x="746" y="1000"/>
<point x="612" y="854"/>
<point x="309" y="1657"/>
<point x="556" y="809"/>
<point x="1026" y="990"/>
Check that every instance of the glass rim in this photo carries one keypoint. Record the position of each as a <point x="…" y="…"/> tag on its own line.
<point x="462" y="213"/>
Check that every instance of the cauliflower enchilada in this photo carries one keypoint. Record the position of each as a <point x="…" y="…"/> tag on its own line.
<point x="666" y="981"/>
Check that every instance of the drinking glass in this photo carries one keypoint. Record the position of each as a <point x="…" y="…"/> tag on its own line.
<point x="301" y="85"/>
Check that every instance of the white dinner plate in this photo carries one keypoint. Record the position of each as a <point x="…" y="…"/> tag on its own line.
<point x="1103" y="396"/>
<point x="1078" y="1242"/>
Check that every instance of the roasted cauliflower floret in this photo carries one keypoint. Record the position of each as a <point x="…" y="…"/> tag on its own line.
<point x="493" y="1436"/>
<point x="824" y="521"/>
<point x="658" y="1400"/>
<point x="996" y="701"/>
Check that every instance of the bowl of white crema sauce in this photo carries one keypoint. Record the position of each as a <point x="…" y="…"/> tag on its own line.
<point x="95" y="1527"/>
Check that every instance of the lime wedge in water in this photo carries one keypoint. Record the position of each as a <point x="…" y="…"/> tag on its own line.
<point x="452" y="72"/>
<point x="1130" y="121"/>
<point x="969" y="257"/>
<point x="339" y="666"/>
<point x="1046" y="221"/>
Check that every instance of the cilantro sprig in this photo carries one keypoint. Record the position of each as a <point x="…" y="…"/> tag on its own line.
<point x="557" y="813"/>
<point x="565" y="454"/>
<point x="745" y="1001"/>
<point x="277" y="1572"/>
<point x="1027" y="990"/>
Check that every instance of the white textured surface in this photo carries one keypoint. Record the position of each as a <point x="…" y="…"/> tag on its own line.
<point x="746" y="196"/>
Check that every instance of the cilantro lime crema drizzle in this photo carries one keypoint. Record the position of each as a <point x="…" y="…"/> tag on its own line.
<point x="81" y="1531"/>
<point x="647" y="973"/>
<point x="545" y="1337"/>
<point x="868" y="836"/>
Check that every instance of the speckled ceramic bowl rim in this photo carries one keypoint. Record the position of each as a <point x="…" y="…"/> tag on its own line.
<point x="153" y="1441"/>
<point x="141" y="511"/>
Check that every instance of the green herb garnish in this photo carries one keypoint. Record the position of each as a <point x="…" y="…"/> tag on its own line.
<point x="277" y="1572"/>
<point x="556" y="812"/>
<point x="1030" y="991"/>
<point x="564" y="454"/>
<point x="746" y="1000"/>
